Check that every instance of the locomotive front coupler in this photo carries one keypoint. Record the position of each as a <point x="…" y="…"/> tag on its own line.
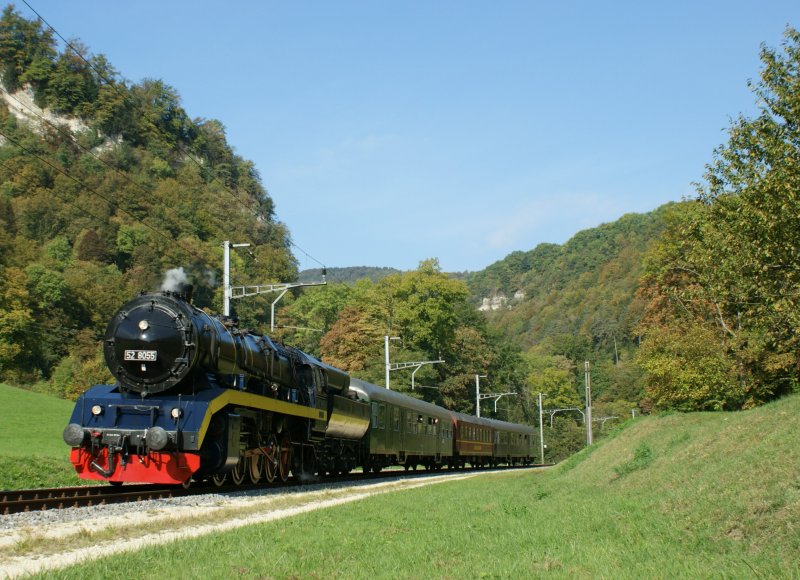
<point x="105" y="472"/>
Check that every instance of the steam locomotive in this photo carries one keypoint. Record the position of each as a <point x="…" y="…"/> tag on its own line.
<point x="199" y="398"/>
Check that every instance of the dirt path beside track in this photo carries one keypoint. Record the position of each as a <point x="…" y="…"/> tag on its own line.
<point x="48" y="545"/>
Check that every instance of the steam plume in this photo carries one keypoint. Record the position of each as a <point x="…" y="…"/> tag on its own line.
<point x="174" y="280"/>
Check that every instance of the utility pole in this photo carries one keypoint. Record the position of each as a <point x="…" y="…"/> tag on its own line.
<point x="478" y="394"/>
<point x="497" y="397"/>
<point x="386" y="340"/>
<point x="589" y="438"/>
<point x="416" y="365"/>
<point x="226" y="275"/>
<point x="230" y="292"/>
<point x="552" y="413"/>
<point x="541" y="431"/>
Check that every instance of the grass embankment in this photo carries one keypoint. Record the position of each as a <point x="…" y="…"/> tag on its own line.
<point x="700" y="495"/>
<point x="32" y="452"/>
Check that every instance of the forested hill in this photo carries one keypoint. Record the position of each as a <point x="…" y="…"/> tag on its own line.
<point x="585" y="287"/>
<point x="104" y="186"/>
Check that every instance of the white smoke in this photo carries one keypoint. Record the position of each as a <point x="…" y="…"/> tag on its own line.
<point x="174" y="280"/>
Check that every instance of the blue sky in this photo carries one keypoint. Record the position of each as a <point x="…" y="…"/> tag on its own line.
<point x="391" y="132"/>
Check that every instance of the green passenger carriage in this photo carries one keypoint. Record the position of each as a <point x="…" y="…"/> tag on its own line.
<point x="403" y="430"/>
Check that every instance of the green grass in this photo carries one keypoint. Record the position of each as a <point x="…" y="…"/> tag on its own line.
<point x="32" y="452"/>
<point x="681" y="496"/>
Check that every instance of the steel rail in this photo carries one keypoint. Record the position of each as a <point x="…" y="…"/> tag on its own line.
<point x="29" y="500"/>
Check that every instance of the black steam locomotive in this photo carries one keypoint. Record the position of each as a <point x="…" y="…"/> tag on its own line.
<point x="199" y="398"/>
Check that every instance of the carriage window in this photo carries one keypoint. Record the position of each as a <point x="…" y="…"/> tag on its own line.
<point x="381" y="416"/>
<point x="375" y="415"/>
<point x="396" y="421"/>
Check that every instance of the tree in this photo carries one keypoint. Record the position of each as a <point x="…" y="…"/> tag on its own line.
<point x="727" y="265"/>
<point x="71" y="86"/>
<point x="314" y="312"/>
<point x="469" y="355"/>
<point x="689" y="371"/>
<point x="16" y="319"/>
<point x="353" y="341"/>
<point x="25" y="49"/>
<point x="421" y="306"/>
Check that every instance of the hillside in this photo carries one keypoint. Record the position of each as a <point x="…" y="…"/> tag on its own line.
<point x="105" y="185"/>
<point x="585" y="287"/>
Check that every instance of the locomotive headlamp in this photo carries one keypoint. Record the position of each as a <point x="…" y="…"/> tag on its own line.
<point x="143" y="325"/>
<point x="97" y="410"/>
<point x="176" y="412"/>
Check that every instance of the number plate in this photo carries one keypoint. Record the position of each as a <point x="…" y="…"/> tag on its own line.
<point x="141" y="355"/>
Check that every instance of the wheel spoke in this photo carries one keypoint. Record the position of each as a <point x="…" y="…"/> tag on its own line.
<point x="238" y="473"/>
<point x="256" y="465"/>
<point x="272" y="454"/>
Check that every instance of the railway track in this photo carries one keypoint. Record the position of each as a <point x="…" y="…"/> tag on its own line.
<point x="29" y="500"/>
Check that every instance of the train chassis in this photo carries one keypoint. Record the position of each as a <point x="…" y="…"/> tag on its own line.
<point x="272" y="448"/>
